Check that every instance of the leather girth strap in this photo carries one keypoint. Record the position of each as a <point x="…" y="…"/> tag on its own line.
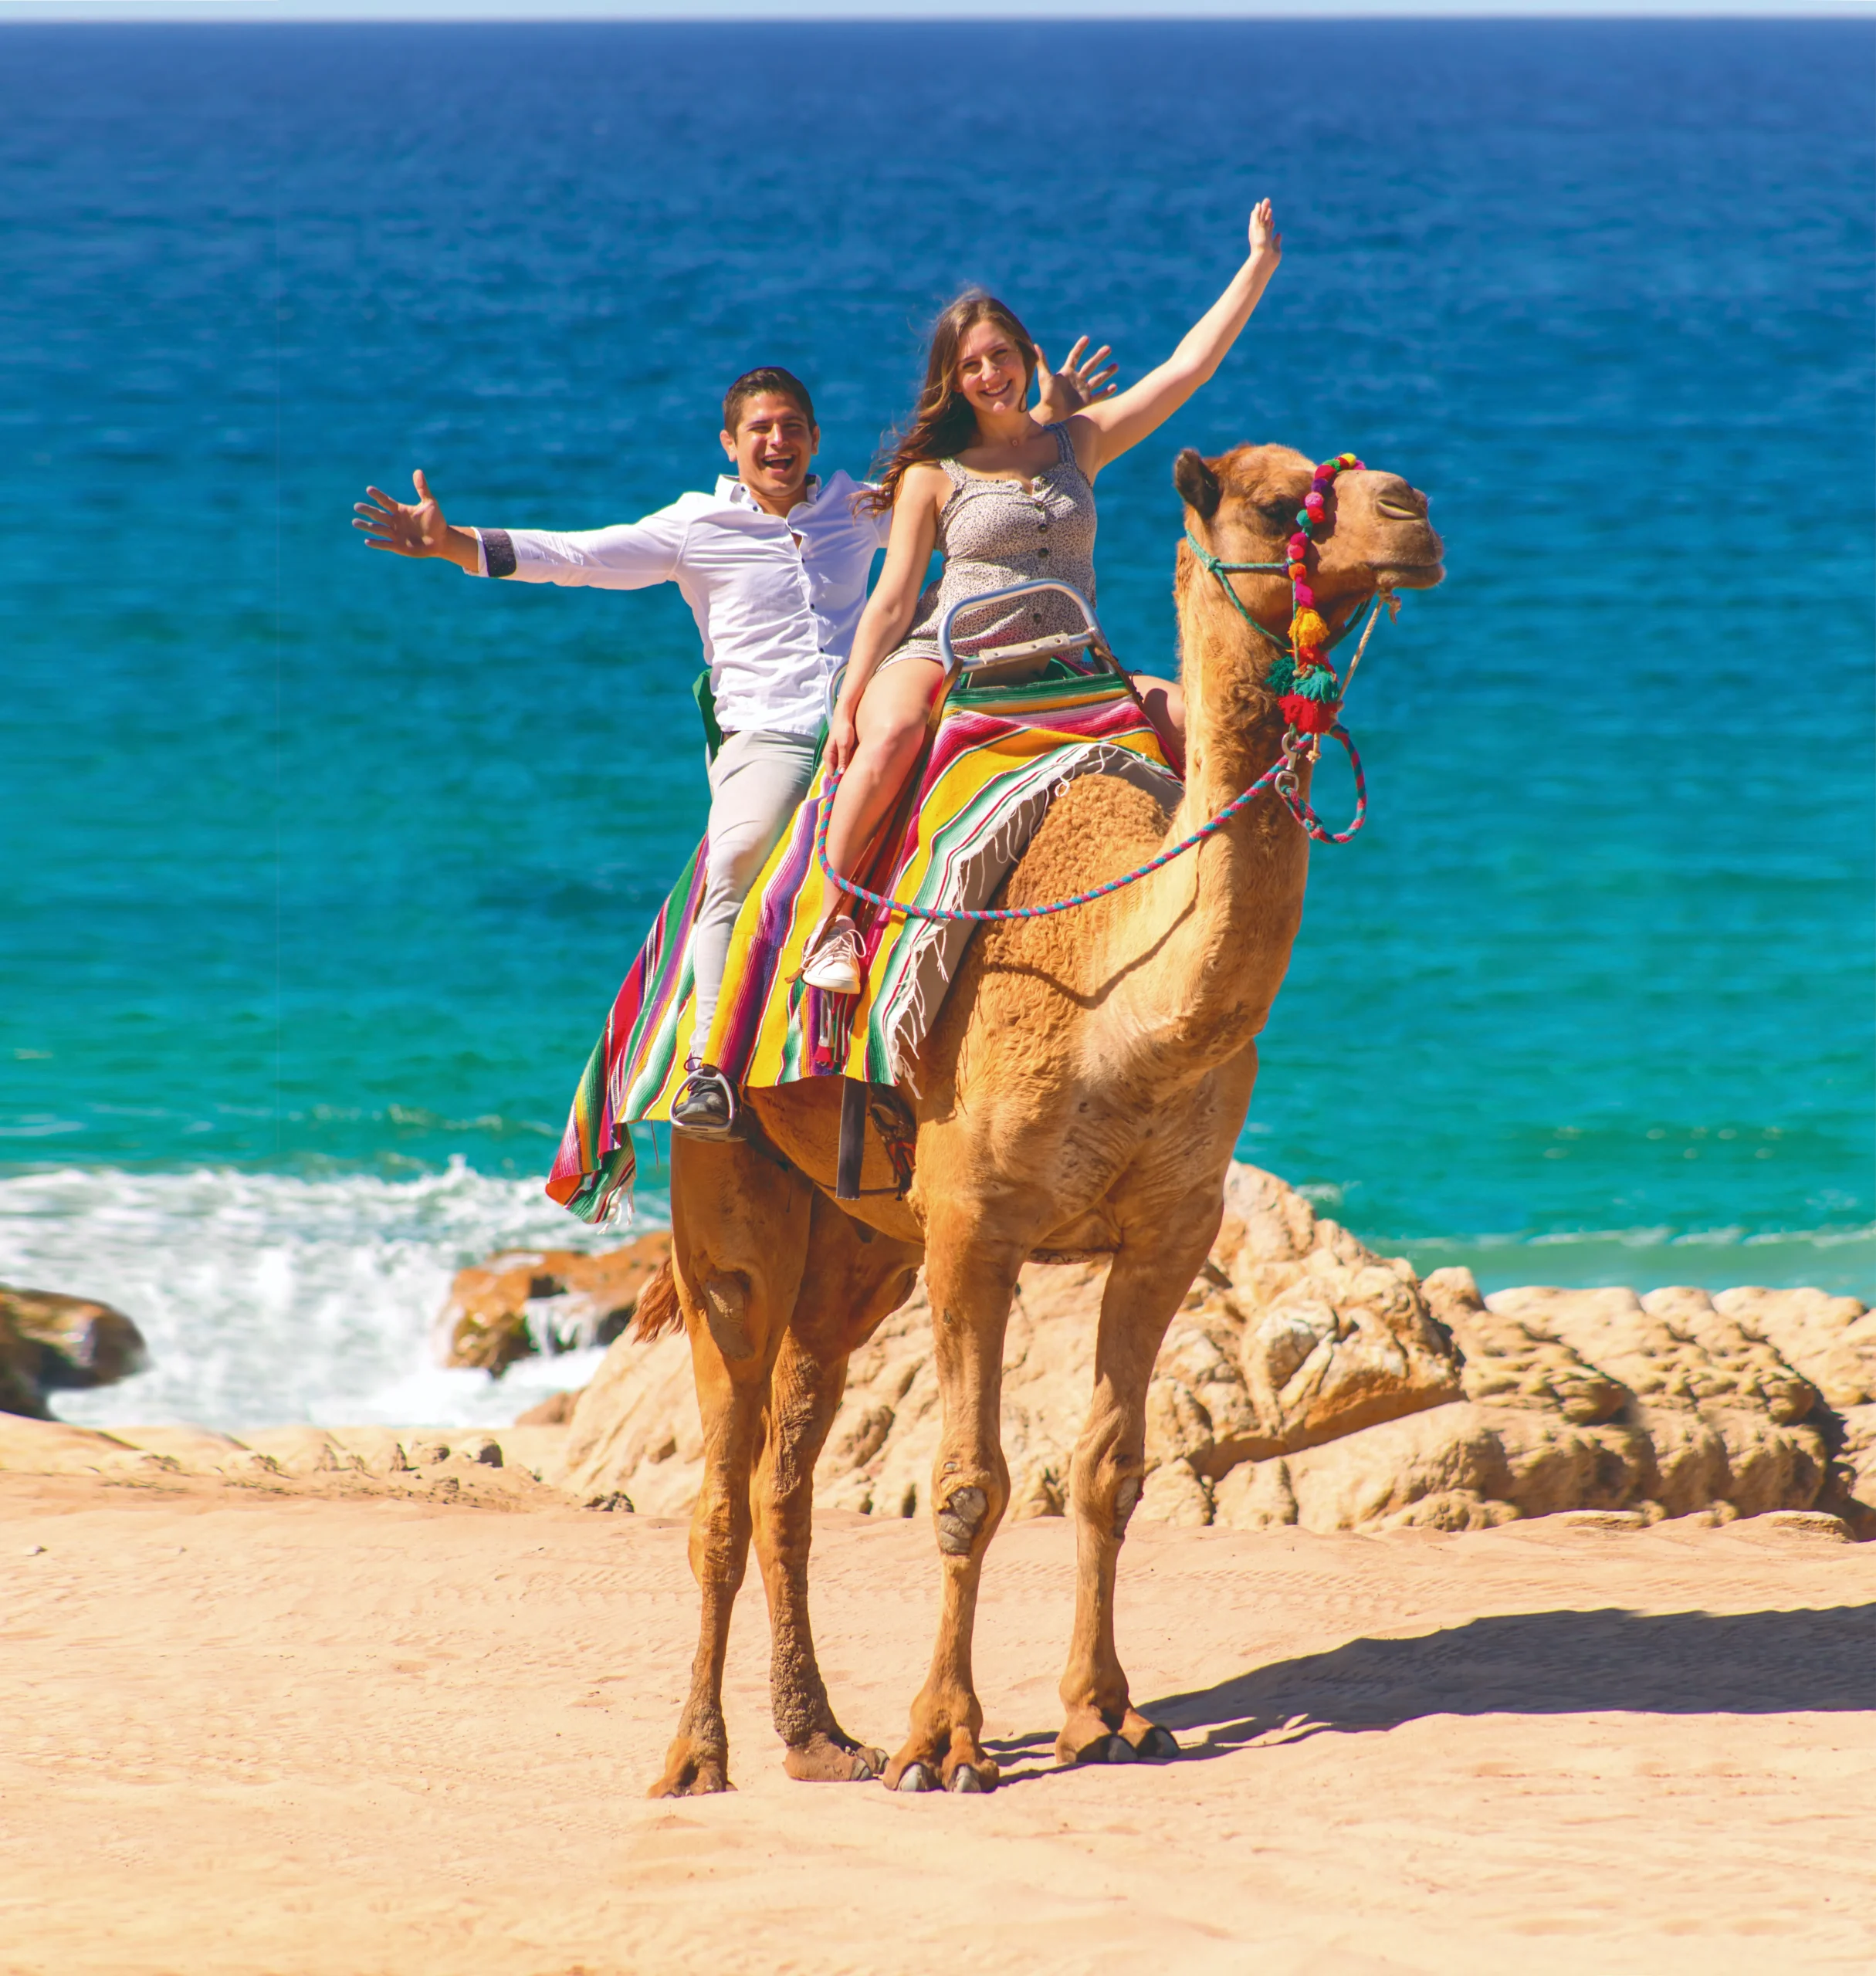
<point x="892" y="1118"/>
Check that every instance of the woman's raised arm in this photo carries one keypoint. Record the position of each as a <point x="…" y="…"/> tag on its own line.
<point x="1103" y="431"/>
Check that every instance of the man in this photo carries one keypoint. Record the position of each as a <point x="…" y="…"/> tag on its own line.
<point x="773" y="564"/>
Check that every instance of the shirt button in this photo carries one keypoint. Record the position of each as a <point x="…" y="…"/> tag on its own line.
<point x="1042" y="551"/>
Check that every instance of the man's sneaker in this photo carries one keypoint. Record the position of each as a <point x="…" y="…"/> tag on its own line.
<point x="706" y="1107"/>
<point x="834" y="965"/>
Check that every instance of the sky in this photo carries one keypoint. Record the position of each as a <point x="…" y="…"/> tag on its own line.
<point x="700" y="10"/>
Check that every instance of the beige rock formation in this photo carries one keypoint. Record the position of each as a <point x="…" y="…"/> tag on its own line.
<point x="514" y="1468"/>
<point x="1832" y="1342"/>
<point x="515" y="1303"/>
<point x="1309" y="1381"/>
<point x="1722" y="1417"/>
<point x="48" y="1340"/>
<point x="1294" y="1334"/>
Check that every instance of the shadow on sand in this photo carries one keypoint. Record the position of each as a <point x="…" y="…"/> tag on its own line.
<point x="1531" y="1663"/>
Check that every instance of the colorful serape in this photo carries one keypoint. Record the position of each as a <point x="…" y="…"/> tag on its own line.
<point x="1000" y="754"/>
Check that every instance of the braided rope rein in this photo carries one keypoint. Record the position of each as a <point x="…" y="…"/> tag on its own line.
<point x="1281" y="775"/>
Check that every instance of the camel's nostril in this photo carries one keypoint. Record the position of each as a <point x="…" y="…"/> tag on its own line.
<point x="1407" y="507"/>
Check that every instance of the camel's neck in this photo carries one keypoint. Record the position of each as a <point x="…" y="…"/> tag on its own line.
<point x="1216" y="926"/>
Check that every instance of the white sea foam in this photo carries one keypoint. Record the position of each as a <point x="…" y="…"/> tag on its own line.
<point x="266" y="1298"/>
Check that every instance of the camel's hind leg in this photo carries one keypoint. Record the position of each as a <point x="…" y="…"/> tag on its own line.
<point x="739" y="1239"/>
<point x="1144" y="1287"/>
<point x="848" y="1287"/>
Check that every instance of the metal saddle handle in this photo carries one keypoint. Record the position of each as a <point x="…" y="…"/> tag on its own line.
<point x="1030" y="652"/>
<point x="1027" y="651"/>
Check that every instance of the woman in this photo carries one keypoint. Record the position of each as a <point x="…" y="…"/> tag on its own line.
<point x="1004" y="499"/>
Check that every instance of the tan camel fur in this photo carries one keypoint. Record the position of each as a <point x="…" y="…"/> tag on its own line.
<point x="1081" y="1092"/>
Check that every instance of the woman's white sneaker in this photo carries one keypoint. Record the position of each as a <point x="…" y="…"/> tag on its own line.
<point x="834" y="965"/>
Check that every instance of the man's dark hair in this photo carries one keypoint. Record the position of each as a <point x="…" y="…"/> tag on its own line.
<point x="754" y="384"/>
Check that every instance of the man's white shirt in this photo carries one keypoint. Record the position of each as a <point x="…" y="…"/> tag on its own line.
<point x="775" y="619"/>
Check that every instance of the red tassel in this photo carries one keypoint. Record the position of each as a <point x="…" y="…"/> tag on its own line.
<point x="1312" y="716"/>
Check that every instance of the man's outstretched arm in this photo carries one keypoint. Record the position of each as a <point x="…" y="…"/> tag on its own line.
<point x="627" y="557"/>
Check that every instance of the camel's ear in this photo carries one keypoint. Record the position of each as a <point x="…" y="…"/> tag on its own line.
<point x="1198" y="485"/>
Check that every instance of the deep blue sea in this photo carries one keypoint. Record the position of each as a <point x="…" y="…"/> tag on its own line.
<point x="320" y="868"/>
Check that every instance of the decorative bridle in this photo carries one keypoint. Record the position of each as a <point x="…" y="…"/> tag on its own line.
<point x="1306" y="685"/>
<point x="1308" y="690"/>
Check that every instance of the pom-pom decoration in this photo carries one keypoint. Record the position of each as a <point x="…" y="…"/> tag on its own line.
<point x="1304" y="680"/>
<point x="1309" y="716"/>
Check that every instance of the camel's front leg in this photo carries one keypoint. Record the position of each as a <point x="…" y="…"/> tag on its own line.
<point x="739" y="1239"/>
<point x="1150" y="1274"/>
<point x="848" y="1287"/>
<point x="971" y="1275"/>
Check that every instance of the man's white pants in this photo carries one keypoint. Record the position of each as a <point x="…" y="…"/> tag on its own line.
<point x="756" y="782"/>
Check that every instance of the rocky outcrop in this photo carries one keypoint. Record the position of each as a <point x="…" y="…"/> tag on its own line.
<point x="1293" y="1333"/>
<point x="1672" y="1405"/>
<point x="1831" y="1341"/>
<point x="526" y="1301"/>
<point x="49" y="1341"/>
<point x="1308" y="1382"/>
<point x="513" y="1468"/>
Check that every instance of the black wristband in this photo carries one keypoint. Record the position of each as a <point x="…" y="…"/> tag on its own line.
<point x="498" y="550"/>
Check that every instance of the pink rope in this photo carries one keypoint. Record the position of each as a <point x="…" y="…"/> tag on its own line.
<point x="1281" y="775"/>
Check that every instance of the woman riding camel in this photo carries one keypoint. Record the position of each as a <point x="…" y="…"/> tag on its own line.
<point x="1004" y="499"/>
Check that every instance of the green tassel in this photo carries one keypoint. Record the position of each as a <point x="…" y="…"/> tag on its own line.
<point x="1318" y="684"/>
<point x="1281" y="676"/>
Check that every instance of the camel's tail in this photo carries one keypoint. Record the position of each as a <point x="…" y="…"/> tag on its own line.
<point x="657" y="1311"/>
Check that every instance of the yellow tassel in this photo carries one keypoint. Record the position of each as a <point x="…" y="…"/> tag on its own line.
<point x="1307" y="628"/>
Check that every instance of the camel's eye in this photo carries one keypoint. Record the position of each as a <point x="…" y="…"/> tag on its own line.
<point x="1278" y="509"/>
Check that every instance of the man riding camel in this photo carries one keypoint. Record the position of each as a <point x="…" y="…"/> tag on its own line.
<point x="774" y="563"/>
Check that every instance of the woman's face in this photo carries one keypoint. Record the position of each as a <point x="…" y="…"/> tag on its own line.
<point x="990" y="370"/>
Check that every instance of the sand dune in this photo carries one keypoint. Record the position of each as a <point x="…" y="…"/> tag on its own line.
<point x="255" y="1724"/>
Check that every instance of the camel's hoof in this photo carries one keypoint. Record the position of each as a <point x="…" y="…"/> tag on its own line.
<point x="692" y="1780"/>
<point x="968" y="1781"/>
<point x="822" y="1760"/>
<point x="1158" y="1745"/>
<point x="917" y="1777"/>
<point x="1120" y="1750"/>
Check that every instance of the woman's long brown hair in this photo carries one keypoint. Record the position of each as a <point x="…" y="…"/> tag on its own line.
<point x="943" y="422"/>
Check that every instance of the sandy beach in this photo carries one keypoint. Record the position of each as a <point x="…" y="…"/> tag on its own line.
<point x="327" y="1727"/>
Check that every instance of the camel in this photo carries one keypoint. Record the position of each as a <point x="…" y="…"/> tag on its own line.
<point x="1080" y="1093"/>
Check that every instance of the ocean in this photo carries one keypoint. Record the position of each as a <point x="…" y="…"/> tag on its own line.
<point x="321" y="867"/>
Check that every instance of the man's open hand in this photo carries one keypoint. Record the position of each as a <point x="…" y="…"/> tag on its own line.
<point x="415" y="530"/>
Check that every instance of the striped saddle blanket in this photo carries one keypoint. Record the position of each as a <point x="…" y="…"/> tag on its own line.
<point x="1000" y="753"/>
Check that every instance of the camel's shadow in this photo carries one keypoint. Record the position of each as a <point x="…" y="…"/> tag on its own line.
<point x="1529" y="1663"/>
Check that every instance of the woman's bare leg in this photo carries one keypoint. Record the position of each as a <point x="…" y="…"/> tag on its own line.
<point x="1165" y="708"/>
<point x="895" y="713"/>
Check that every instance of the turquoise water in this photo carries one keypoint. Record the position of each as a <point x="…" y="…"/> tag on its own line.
<point x="321" y="868"/>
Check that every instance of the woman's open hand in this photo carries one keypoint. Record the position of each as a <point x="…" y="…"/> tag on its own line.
<point x="417" y="528"/>
<point x="1266" y="241"/>
<point x="1081" y="381"/>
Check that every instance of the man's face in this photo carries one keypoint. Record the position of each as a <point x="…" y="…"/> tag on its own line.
<point x="772" y="445"/>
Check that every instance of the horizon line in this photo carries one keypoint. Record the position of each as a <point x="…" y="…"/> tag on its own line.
<point x="889" y="12"/>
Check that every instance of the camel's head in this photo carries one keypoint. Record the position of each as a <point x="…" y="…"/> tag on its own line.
<point x="1243" y="505"/>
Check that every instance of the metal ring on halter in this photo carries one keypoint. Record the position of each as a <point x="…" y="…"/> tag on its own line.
<point x="1094" y="638"/>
